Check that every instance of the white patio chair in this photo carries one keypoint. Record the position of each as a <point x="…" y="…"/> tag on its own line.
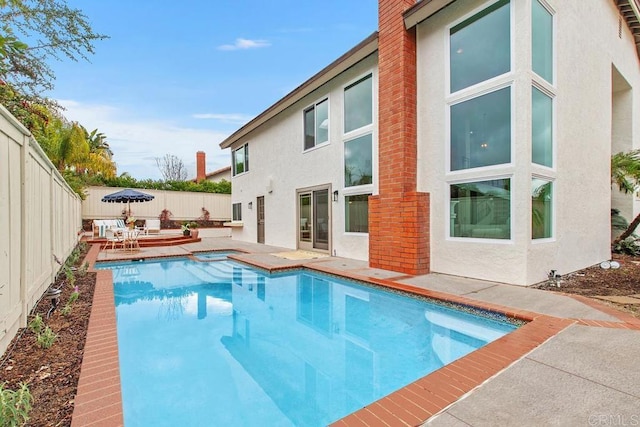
<point x="113" y="238"/>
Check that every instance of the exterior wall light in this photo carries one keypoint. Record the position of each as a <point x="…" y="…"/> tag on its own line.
<point x="335" y="196"/>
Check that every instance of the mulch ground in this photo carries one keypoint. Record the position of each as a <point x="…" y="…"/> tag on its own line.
<point x="596" y="281"/>
<point x="52" y="374"/>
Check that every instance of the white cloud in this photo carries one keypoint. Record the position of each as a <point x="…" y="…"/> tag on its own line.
<point x="236" y="119"/>
<point x="242" y="44"/>
<point x="136" y="143"/>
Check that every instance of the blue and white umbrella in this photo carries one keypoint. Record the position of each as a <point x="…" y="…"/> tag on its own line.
<point x="127" y="196"/>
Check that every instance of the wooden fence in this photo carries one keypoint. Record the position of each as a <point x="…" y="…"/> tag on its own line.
<point x="40" y="217"/>
<point x="183" y="205"/>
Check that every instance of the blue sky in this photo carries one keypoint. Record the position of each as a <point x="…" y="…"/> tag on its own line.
<point x="178" y="77"/>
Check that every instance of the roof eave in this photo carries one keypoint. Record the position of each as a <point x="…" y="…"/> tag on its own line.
<point x="423" y="10"/>
<point x="362" y="50"/>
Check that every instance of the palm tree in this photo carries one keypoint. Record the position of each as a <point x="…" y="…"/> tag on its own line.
<point x="625" y="173"/>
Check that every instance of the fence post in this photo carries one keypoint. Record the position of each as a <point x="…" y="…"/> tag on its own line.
<point x="24" y="188"/>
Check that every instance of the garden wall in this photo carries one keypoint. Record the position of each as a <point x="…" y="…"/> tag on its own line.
<point x="184" y="205"/>
<point x="40" y="217"/>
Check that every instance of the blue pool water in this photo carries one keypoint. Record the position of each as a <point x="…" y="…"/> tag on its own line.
<point x="220" y="343"/>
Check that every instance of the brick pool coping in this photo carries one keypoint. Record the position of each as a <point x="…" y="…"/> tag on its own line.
<point x="99" y="401"/>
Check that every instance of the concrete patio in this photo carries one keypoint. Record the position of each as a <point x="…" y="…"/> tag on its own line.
<point x="574" y="364"/>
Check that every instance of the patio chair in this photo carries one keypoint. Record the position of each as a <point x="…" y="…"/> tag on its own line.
<point x="153" y="226"/>
<point x="113" y="238"/>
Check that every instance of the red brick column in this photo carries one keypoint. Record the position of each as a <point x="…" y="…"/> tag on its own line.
<point x="399" y="215"/>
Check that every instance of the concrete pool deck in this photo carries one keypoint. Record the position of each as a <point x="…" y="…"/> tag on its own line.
<point x="574" y="363"/>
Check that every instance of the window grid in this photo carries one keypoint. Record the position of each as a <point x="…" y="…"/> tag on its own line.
<point x="480" y="122"/>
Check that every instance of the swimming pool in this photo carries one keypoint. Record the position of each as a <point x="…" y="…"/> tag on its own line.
<point x="220" y="343"/>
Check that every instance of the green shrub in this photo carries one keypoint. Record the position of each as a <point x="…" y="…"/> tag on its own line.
<point x="14" y="405"/>
<point x="629" y="246"/>
<point x="36" y="324"/>
<point x="46" y="338"/>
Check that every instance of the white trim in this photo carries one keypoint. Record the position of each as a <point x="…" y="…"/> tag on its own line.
<point x="552" y="169"/>
<point x="554" y="47"/>
<point x="512" y="219"/>
<point x="553" y="211"/>
<point x="233" y="163"/>
<point x="352" y="82"/>
<point x="447" y="63"/>
<point x="314" y="105"/>
<point x="512" y="90"/>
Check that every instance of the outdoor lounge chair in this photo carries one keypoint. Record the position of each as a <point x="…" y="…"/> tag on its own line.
<point x="152" y="226"/>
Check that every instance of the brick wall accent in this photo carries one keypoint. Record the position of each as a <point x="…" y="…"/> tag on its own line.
<point x="399" y="215"/>
<point x="201" y="167"/>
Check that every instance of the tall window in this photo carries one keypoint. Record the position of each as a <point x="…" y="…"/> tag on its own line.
<point x="240" y="159"/>
<point x="542" y="143"/>
<point x="541" y="209"/>
<point x="481" y="209"/>
<point x="541" y="128"/>
<point x="356" y="213"/>
<point x="316" y="124"/>
<point x="481" y="131"/>
<point x="237" y="212"/>
<point x="542" y="41"/>
<point x="358" y="104"/>
<point x="480" y="47"/>
<point x="358" y="124"/>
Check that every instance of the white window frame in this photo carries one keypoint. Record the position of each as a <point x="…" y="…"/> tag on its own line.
<point x="483" y="173"/>
<point x="496" y="80"/>
<point x="344" y="198"/>
<point x="483" y="169"/>
<point x="233" y="212"/>
<point x="315" y="120"/>
<point x="554" y="62"/>
<point x="512" y="220"/>
<point x="355" y="190"/>
<point x="548" y="88"/>
<point x="553" y="211"/>
<point x="246" y="158"/>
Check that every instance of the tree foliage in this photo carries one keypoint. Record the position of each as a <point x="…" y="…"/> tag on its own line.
<point x="127" y="181"/>
<point x="625" y="173"/>
<point x="32" y="32"/>
<point x="172" y="168"/>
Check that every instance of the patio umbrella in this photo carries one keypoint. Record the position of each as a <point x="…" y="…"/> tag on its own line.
<point x="127" y="196"/>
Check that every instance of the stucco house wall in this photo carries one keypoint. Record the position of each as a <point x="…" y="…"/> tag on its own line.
<point x="582" y="148"/>
<point x="595" y="105"/>
<point x="278" y="167"/>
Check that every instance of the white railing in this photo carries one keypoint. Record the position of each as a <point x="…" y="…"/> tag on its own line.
<point x="40" y="217"/>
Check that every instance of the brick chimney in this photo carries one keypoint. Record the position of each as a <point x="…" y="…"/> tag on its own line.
<point x="398" y="215"/>
<point x="201" y="167"/>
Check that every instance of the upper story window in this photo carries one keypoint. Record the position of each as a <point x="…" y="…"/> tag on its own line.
<point x="542" y="41"/>
<point x="240" y="160"/>
<point x="541" y="128"/>
<point x="480" y="47"/>
<point x="316" y="124"/>
<point x="358" y="161"/>
<point x="358" y="104"/>
<point x="481" y="131"/>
